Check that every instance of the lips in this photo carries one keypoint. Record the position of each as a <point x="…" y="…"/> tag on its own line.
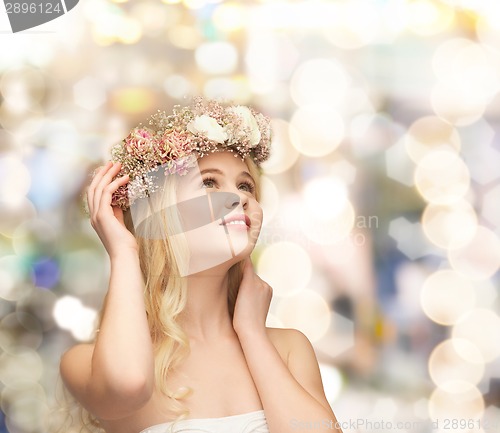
<point x="240" y="217"/>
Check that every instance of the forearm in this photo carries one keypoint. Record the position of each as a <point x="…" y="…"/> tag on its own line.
<point x="287" y="405"/>
<point x="123" y="354"/>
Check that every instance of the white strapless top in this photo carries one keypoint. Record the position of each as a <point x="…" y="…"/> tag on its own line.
<point x="251" y="422"/>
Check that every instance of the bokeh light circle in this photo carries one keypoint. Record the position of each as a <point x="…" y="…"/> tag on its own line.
<point x="328" y="231"/>
<point x="26" y="409"/>
<point x="33" y="236"/>
<point x="341" y="252"/>
<point x="443" y="63"/>
<point x="460" y="106"/>
<point x="462" y="63"/>
<point x="479" y="258"/>
<point x="15" y="179"/>
<point x="21" y="368"/>
<point x="273" y="322"/>
<point x="429" y="133"/>
<point x="45" y="272"/>
<point x="488" y="27"/>
<point x="355" y="23"/>
<point x="19" y="330"/>
<point x="286" y="267"/>
<point x="446" y="296"/>
<point x="306" y="311"/>
<point x="284" y="154"/>
<point x="333" y="381"/>
<point x="177" y="86"/>
<point x="371" y="133"/>
<point x="70" y="314"/>
<point x="132" y="100"/>
<point x="319" y="81"/>
<point x="428" y="18"/>
<point x="227" y="89"/>
<point x="15" y="214"/>
<point x="230" y="16"/>
<point x="460" y="400"/>
<point x="326" y="197"/>
<point x="467" y="80"/>
<point x="447" y="367"/>
<point x="82" y="271"/>
<point x="38" y="304"/>
<point x="318" y="130"/>
<point x="480" y="326"/>
<point x="13" y="273"/>
<point x="270" y="199"/>
<point x="217" y="57"/>
<point x="29" y="89"/>
<point x="450" y="226"/>
<point x="442" y="177"/>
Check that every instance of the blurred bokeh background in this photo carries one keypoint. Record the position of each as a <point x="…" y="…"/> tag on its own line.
<point x="382" y="195"/>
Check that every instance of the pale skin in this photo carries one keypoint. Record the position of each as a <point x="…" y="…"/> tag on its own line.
<point x="235" y="366"/>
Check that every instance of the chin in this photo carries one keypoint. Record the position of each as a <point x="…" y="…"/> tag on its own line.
<point x="213" y="248"/>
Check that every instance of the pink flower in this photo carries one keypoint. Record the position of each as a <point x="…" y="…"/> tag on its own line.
<point x="120" y="197"/>
<point x="181" y="165"/>
<point x="138" y="142"/>
<point x="173" y="144"/>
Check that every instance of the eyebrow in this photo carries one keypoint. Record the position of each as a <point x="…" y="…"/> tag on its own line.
<point x="211" y="170"/>
<point x="216" y="170"/>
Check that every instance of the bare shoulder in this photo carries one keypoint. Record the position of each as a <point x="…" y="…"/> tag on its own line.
<point x="75" y="366"/>
<point x="80" y="347"/>
<point x="302" y="362"/>
<point x="288" y="340"/>
<point x="76" y="354"/>
<point x="287" y="335"/>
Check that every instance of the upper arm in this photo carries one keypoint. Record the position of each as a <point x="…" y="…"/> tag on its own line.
<point x="75" y="368"/>
<point x="94" y="394"/>
<point x="304" y="367"/>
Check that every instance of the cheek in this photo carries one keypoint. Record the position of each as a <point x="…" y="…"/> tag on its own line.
<point x="256" y="214"/>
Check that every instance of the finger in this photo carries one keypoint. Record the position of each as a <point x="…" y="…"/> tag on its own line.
<point x="107" y="192"/>
<point x="104" y="211"/>
<point x="98" y="174"/>
<point x="104" y="182"/>
<point x="248" y="270"/>
<point x="249" y="263"/>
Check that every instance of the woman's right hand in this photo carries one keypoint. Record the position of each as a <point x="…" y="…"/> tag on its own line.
<point x="107" y="220"/>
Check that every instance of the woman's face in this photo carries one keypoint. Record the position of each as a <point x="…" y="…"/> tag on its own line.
<point x="222" y="216"/>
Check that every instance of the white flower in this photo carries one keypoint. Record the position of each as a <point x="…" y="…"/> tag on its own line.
<point x="208" y="127"/>
<point x="249" y="123"/>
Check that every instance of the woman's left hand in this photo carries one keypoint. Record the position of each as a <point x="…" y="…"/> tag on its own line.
<point x="252" y="303"/>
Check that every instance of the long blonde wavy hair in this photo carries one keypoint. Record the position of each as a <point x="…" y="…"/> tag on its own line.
<point x="165" y="293"/>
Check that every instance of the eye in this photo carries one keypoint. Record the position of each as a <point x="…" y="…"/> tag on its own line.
<point x="247" y="186"/>
<point x="209" y="182"/>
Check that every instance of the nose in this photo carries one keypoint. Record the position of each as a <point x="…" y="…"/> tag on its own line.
<point x="232" y="201"/>
<point x="221" y="203"/>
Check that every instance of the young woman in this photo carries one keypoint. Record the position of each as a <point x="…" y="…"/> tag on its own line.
<point x="182" y="343"/>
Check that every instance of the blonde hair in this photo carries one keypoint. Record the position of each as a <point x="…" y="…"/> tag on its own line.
<point x="161" y="260"/>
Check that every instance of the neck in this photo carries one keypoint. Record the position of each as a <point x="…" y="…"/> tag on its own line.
<point x="206" y="316"/>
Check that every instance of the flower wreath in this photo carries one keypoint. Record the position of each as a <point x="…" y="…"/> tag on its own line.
<point x="174" y="141"/>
